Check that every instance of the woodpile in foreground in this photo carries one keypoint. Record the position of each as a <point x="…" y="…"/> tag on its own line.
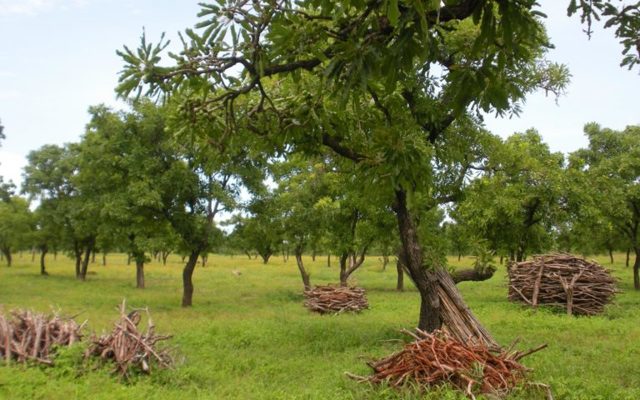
<point x="335" y="299"/>
<point x="131" y="350"/>
<point x="581" y="287"/>
<point x="30" y="336"/>
<point x="434" y="359"/>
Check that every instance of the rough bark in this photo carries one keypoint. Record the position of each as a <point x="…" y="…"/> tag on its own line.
<point x="139" y="274"/>
<point x="187" y="281"/>
<point x="425" y="280"/>
<point x="472" y="274"/>
<point x="306" y="280"/>
<point x="400" y="281"/>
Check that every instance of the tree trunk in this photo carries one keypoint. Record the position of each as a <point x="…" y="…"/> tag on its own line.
<point x="313" y="255"/>
<point x="43" y="253"/>
<point x="204" y="260"/>
<point x="6" y="251"/>
<point x="329" y="260"/>
<point x="93" y="256"/>
<point x="139" y="273"/>
<point x="165" y="255"/>
<point x="343" y="269"/>
<point x="459" y="256"/>
<point x="104" y="259"/>
<point x="33" y="254"/>
<point x="77" y="252"/>
<point x="400" y="282"/>
<point x="385" y="261"/>
<point x="85" y="260"/>
<point x="472" y="274"/>
<point x="187" y="275"/>
<point x="129" y="259"/>
<point x="626" y="262"/>
<point x="246" y="252"/>
<point x="611" y="255"/>
<point x="425" y="280"/>
<point x="636" y="270"/>
<point x="306" y="281"/>
<point x="265" y="257"/>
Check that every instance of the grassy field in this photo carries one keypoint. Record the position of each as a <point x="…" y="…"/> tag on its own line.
<point x="249" y="337"/>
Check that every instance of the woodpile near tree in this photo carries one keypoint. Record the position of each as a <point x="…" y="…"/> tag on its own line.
<point x="434" y="359"/>
<point x="335" y="299"/>
<point x="581" y="287"/>
<point x="130" y="349"/>
<point x="30" y="336"/>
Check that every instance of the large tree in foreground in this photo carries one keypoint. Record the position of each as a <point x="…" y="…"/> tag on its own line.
<point x="390" y="86"/>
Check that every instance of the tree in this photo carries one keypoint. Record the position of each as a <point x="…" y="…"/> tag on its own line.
<point x="6" y="189"/>
<point x="609" y="173"/>
<point x="51" y="176"/>
<point x="16" y="224"/>
<point x="515" y="203"/>
<point x="389" y="86"/>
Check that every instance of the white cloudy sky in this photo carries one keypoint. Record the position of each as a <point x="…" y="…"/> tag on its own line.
<point x="57" y="57"/>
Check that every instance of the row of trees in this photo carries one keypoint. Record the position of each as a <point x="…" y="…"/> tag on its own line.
<point x="387" y="93"/>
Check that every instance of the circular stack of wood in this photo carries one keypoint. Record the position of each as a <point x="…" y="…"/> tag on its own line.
<point x="580" y="286"/>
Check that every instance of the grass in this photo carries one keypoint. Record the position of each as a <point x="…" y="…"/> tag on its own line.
<point x="248" y="336"/>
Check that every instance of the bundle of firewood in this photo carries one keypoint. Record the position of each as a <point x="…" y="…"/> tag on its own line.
<point x="434" y="359"/>
<point x="33" y="336"/>
<point x="335" y="299"/>
<point x="582" y="287"/>
<point x="130" y="349"/>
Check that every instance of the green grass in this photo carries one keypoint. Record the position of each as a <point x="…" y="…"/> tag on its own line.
<point x="249" y="337"/>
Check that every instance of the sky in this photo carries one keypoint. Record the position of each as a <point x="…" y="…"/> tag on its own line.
<point x="58" y="57"/>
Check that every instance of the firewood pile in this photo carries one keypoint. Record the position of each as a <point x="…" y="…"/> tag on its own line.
<point x="434" y="359"/>
<point x="30" y="336"/>
<point x="581" y="287"/>
<point x="335" y="299"/>
<point x="130" y="349"/>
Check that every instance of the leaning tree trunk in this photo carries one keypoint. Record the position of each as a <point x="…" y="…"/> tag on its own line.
<point x="440" y="300"/>
<point x="187" y="275"/>
<point x="43" y="253"/>
<point x="266" y="256"/>
<point x="139" y="274"/>
<point x="306" y="280"/>
<point x="472" y="274"/>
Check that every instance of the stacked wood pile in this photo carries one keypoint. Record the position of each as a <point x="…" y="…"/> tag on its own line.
<point x="434" y="359"/>
<point x="131" y="350"/>
<point x="30" y="336"/>
<point x="335" y="299"/>
<point x="581" y="287"/>
<point x="456" y="316"/>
